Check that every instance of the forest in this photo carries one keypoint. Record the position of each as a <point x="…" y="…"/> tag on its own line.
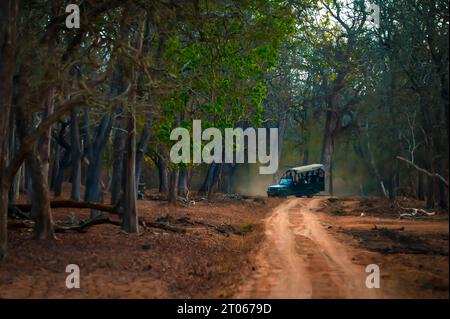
<point x="87" y="106"/>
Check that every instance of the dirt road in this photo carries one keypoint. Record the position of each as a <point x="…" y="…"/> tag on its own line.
<point x="300" y="259"/>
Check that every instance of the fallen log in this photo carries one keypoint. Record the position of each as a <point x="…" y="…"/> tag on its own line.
<point x="84" y="225"/>
<point x="164" y="226"/>
<point x="67" y="203"/>
<point x="16" y="213"/>
<point x="162" y="222"/>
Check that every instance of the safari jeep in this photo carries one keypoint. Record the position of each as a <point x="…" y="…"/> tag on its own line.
<point x="300" y="181"/>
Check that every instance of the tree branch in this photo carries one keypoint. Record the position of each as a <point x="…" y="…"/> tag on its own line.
<point x="434" y="175"/>
<point x="27" y="144"/>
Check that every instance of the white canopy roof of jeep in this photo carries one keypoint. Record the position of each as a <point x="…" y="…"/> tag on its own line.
<point x="307" y="168"/>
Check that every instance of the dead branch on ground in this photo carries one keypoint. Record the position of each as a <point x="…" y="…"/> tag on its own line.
<point x="415" y="212"/>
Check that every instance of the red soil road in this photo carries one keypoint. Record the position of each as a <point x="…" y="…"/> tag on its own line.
<point x="300" y="259"/>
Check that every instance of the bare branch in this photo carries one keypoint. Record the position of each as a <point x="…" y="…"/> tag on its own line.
<point x="434" y="175"/>
<point x="27" y="144"/>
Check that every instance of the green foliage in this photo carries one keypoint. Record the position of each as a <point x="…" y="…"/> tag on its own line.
<point x="218" y="72"/>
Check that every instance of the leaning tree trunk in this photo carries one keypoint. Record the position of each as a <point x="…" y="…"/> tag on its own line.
<point x="40" y="196"/>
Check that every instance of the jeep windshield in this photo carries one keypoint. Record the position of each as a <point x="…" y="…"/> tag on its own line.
<point x="285" y="181"/>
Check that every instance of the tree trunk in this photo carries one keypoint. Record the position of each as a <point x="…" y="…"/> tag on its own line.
<point x="215" y="180"/>
<point x="76" y="155"/>
<point x="393" y="185"/>
<point x="373" y="165"/>
<point x="41" y="199"/>
<point x="61" y="160"/>
<point x="282" y="123"/>
<point x="55" y="166"/>
<point x="391" y="189"/>
<point x="14" y="191"/>
<point x="443" y="196"/>
<point x="209" y="178"/>
<point x="420" y="186"/>
<point x="65" y="160"/>
<point x="92" y="191"/>
<point x="430" y="192"/>
<point x="15" y="187"/>
<point x="130" y="217"/>
<point x="8" y="14"/>
<point x="141" y="148"/>
<point x="427" y="127"/>
<point x="228" y="171"/>
<point x="28" y="182"/>
<point x="38" y="172"/>
<point x="330" y="178"/>
<point x="45" y="140"/>
<point x="4" y="187"/>
<point x="328" y="145"/>
<point x="117" y="166"/>
<point x="163" y="173"/>
<point x="183" y="188"/>
<point x="117" y="88"/>
<point x="173" y="190"/>
<point x="87" y="145"/>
